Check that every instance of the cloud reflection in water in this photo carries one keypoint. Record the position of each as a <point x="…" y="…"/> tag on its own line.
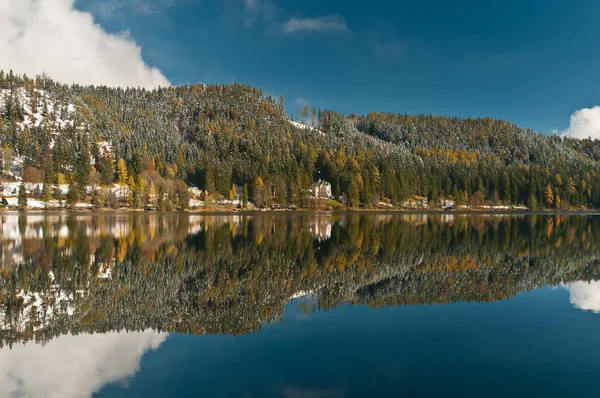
<point x="73" y="366"/>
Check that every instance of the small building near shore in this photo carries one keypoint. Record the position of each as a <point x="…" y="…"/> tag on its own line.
<point x="321" y="190"/>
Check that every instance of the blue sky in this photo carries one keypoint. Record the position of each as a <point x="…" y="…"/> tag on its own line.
<point x="530" y="62"/>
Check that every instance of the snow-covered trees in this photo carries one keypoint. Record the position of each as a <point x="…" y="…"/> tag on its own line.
<point x="218" y="136"/>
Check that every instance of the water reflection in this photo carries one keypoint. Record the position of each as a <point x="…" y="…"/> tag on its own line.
<point x="585" y="295"/>
<point x="231" y="274"/>
<point x="73" y="366"/>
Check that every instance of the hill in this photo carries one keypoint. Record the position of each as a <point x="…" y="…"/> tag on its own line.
<point x="234" y="142"/>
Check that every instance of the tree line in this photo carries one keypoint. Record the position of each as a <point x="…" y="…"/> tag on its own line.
<point x="235" y="142"/>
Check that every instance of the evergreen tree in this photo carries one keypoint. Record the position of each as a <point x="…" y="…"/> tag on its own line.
<point x="142" y="189"/>
<point x="245" y="197"/>
<point x="132" y="193"/>
<point x="46" y="194"/>
<point x="572" y="189"/>
<point x="259" y="195"/>
<point x="182" y="195"/>
<point x="83" y="168"/>
<point x="160" y="198"/>
<point x="72" y="195"/>
<point x="107" y="170"/>
<point x="22" y="198"/>
<point x="532" y="202"/>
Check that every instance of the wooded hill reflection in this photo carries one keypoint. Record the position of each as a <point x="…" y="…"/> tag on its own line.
<point x="231" y="274"/>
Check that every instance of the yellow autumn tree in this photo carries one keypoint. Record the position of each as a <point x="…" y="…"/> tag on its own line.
<point x="121" y="172"/>
<point x="558" y="202"/>
<point x="232" y="192"/>
<point x="549" y="196"/>
<point x="151" y="192"/>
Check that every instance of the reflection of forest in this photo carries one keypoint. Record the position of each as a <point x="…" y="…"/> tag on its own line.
<point x="231" y="274"/>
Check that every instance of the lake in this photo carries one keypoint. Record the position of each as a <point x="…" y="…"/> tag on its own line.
<point x="299" y="305"/>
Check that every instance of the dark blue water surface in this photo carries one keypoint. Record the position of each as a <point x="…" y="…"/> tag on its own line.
<point x="301" y="306"/>
<point x="535" y="344"/>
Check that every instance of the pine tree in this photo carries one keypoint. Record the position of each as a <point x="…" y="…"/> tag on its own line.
<point x="354" y="191"/>
<point x="46" y="194"/>
<point x="107" y="173"/>
<point x="22" y="198"/>
<point x="182" y="195"/>
<point x="209" y="177"/>
<point x="506" y="187"/>
<point x="572" y="188"/>
<point x="160" y="198"/>
<point x="72" y="195"/>
<point x="142" y="188"/>
<point x="245" y="196"/>
<point x="259" y="192"/>
<point x="133" y="195"/>
<point x="83" y="168"/>
<point x="532" y="202"/>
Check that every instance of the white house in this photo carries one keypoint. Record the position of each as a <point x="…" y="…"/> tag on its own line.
<point x="321" y="190"/>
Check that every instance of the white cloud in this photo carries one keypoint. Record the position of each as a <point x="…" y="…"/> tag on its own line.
<point x="115" y="8"/>
<point x="585" y="123"/>
<point x="255" y="10"/>
<point x="73" y="366"/>
<point x="51" y="36"/>
<point x="112" y="8"/>
<point x="584" y="295"/>
<point x="332" y="23"/>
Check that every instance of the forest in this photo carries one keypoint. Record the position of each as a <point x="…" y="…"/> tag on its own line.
<point x="125" y="147"/>
<point x="234" y="274"/>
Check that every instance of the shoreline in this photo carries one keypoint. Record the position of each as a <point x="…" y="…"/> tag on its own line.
<point x="304" y="211"/>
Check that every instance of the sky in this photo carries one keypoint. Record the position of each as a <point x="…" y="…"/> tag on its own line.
<point x="532" y="62"/>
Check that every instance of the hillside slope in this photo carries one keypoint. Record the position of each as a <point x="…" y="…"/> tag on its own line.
<point x="222" y="138"/>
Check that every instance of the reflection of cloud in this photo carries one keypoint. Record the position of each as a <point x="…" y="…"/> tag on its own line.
<point x="293" y="392"/>
<point x="584" y="295"/>
<point x="73" y="366"/>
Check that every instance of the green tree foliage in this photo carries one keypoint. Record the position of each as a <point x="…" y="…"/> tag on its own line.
<point x="22" y="198"/>
<point x="218" y="136"/>
<point x="245" y="197"/>
<point x="46" y="194"/>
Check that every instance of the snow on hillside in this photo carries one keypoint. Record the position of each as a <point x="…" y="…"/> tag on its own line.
<point x="47" y="113"/>
<point x="305" y="126"/>
<point x="44" y="105"/>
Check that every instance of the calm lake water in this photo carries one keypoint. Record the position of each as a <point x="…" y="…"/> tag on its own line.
<point x="299" y="306"/>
